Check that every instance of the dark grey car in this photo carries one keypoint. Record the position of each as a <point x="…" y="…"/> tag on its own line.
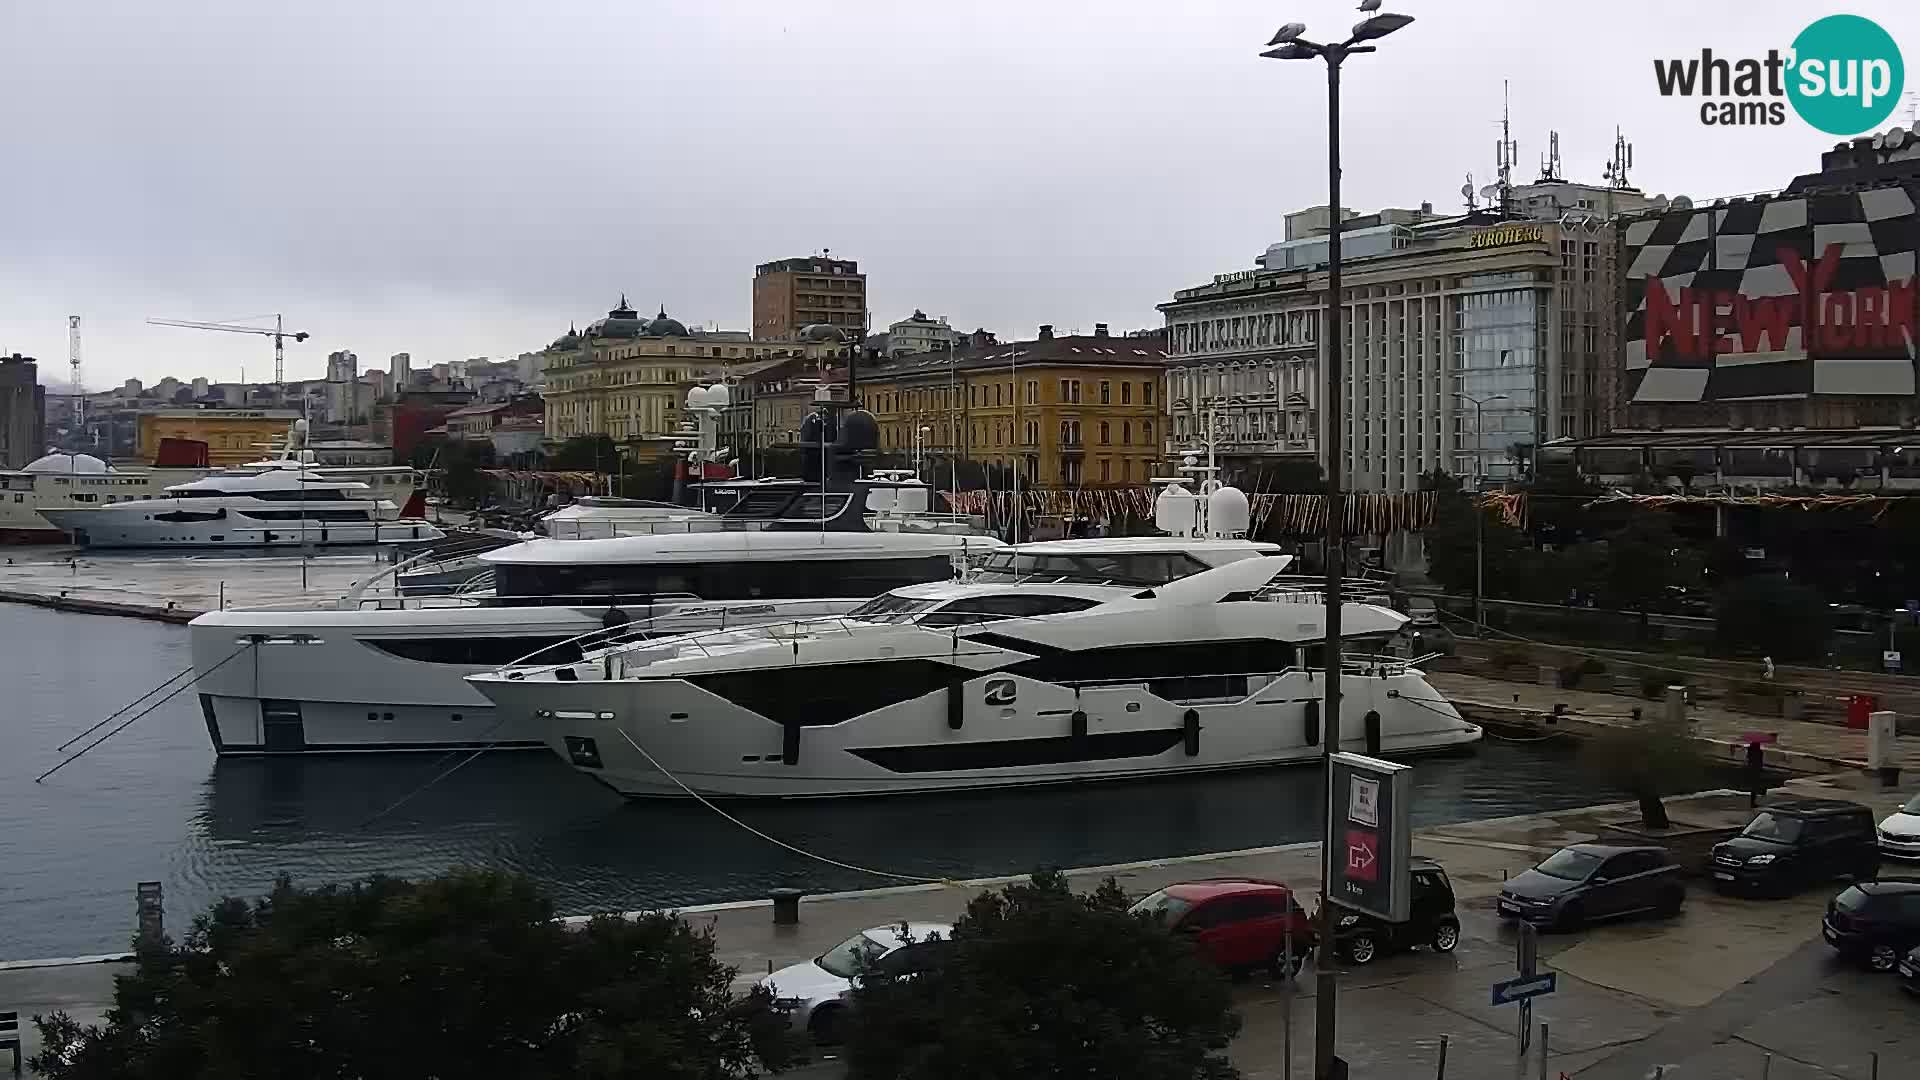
<point x="1594" y="881"/>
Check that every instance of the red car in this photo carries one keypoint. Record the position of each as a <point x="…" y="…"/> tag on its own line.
<point x="1240" y="924"/>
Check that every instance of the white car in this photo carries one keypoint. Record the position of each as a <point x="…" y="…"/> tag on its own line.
<point x="1900" y="832"/>
<point x="816" y="994"/>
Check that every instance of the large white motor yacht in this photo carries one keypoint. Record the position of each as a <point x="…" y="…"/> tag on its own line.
<point x="1028" y="675"/>
<point x="384" y="671"/>
<point x="284" y="504"/>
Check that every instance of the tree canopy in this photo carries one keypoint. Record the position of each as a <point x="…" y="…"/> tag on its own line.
<point x="1772" y="615"/>
<point x="463" y="975"/>
<point x="1039" y="981"/>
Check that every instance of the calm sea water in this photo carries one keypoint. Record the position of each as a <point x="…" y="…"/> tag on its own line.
<point x="154" y="804"/>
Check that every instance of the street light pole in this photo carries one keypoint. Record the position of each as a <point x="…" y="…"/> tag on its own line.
<point x="1288" y="44"/>
<point x="1479" y="515"/>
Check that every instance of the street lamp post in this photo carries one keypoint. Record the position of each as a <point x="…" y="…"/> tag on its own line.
<point x="1289" y="44"/>
<point x="1479" y="517"/>
<point x="920" y="434"/>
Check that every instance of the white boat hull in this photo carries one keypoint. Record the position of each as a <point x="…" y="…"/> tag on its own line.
<point x="387" y="677"/>
<point x="661" y="737"/>
<point x="121" y="531"/>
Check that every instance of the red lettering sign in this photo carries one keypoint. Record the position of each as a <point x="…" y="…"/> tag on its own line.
<point x="1700" y="324"/>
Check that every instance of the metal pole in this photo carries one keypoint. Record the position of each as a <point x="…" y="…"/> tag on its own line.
<point x="1286" y="1003"/>
<point x="1873" y="1069"/>
<point x="1441" y="1072"/>
<point x="1543" y="1052"/>
<point x="1479" y="529"/>
<point x="1326" y="1024"/>
<point x="1013" y="364"/>
<point x="1766" y="1067"/>
<point x="1526" y="1025"/>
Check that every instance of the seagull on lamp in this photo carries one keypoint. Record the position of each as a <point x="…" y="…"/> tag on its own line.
<point x="1369" y="5"/>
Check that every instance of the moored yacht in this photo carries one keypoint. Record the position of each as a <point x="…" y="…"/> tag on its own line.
<point x="384" y="670"/>
<point x="1037" y="678"/>
<point x="281" y="505"/>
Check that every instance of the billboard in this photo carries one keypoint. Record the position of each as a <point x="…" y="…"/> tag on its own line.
<point x="1372" y="843"/>
<point x="1784" y="297"/>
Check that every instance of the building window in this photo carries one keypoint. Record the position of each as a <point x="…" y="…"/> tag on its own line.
<point x="1126" y="433"/>
<point x="1033" y="391"/>
<point x="1104" y="470"/>
<point x="1146" y="393"/>
<point x="1146" y="432"/>
<point x="1103" y="433"/>
<point x="1106" y="392"/>
<point x="1126" y="393"/>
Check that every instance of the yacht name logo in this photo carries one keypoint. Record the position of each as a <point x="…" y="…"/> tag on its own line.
<point x="1001" y="692"/>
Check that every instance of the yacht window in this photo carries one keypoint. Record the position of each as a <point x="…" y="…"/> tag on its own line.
<point x="1119" y="568"/>
<point x="760" y="579"/>
<point x="490" y="651"/>
<point x="975" y="609"/>
<point x="890" y="608"/>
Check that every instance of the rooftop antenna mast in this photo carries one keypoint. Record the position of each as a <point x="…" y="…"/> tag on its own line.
<point x="1616" y="169"/>
<point x="73" y="374"/>
<point x="1505" y="151"/>
<point x="1550" y="161"/>
<point x="1466" y="190"/>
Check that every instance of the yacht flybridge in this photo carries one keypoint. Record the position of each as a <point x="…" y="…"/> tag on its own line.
<point x="1057" y="676"/>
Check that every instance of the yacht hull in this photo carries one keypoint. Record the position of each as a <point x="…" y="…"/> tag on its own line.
<point x="390" y="676"/>
<point x="666" y="737"/>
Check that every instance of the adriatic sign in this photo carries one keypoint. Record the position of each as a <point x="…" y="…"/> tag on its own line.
<point x="1507" y="234"/>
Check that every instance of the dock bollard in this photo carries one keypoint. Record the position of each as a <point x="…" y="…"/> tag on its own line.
<point x="786" y="906"/>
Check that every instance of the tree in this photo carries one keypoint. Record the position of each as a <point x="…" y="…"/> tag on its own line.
<point x="1772" y="615"/>
<point x="466" y="974"/>
<point x="1041" y="982"/>
<point x="1644" y="559"/>
<point x="585" y="453"/>
<point x="1451" y="543"/>
<point x="1649" y="759"/>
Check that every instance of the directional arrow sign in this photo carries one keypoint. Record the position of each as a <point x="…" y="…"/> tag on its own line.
<point x="1526" y="986"/>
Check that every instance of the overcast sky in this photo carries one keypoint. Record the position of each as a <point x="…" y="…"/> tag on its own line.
<point x="464" y="179"/>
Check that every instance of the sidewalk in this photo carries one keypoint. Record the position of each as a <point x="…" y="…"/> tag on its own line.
<point x="1804" y="746"/>
<point x="1618" y="984"/>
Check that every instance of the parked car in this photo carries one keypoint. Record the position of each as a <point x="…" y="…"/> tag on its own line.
<point x="1364" y="938"/>
<point x="1900" y="832"/>
<point x="1240" y="924"/>
<point x="1793" y="843"/>
<point x="1910" y="971"/>
<point x="816" y="994"/>
<point x="1594" y="881"/>
<point x="1424" y="631"/>
<point x="1874" y="922"/>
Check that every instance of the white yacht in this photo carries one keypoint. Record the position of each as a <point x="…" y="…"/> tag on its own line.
<point x="385" y="671"/>
<point x="59" y="481"/>
<point x="1044" y="673"/>
<point x="274" y="504"/>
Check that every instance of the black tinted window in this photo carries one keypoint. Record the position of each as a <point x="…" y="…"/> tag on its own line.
<point x="765" y="579"/>
<point x="1264" y="904"/>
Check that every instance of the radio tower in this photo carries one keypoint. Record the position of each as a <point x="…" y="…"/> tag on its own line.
<point x="73" y="373"/>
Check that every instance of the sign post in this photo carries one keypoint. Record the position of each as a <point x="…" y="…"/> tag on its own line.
<point x="1528" y="982"/>
<point x="1373" y="842"/>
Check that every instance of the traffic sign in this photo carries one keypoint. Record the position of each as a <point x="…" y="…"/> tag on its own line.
<point x="1370" y="835"/>
<point x="1524" y="987"/>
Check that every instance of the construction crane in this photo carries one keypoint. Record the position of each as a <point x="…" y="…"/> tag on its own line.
<point x="73" y="364"/>
<point x="278" y="332"/>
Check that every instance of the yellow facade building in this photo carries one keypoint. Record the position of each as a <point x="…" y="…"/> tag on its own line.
<point x="1074" y="411"/>
<point x="627" y="377"/>
<point x="233" y="436"/>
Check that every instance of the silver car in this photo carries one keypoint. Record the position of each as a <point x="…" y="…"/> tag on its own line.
<point x="816" y="994"/>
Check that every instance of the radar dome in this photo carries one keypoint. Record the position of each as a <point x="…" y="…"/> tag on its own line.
<point x="1173" y="510"/>
<point x="66" y="463"/>
<point x="858" y="431"/>
<point x="1227" y="511"/>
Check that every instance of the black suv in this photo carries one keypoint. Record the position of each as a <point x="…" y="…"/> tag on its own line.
<point x="1594" y="881"/>
<point x="1364" y="938"/>
<point x="1793" y="843"/>
<point x="1874" y="922"/>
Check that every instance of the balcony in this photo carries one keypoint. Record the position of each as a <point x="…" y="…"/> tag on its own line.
<point x="1073" y="446"/>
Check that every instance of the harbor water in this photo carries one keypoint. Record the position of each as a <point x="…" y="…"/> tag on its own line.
<point x="153" y="803"/>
